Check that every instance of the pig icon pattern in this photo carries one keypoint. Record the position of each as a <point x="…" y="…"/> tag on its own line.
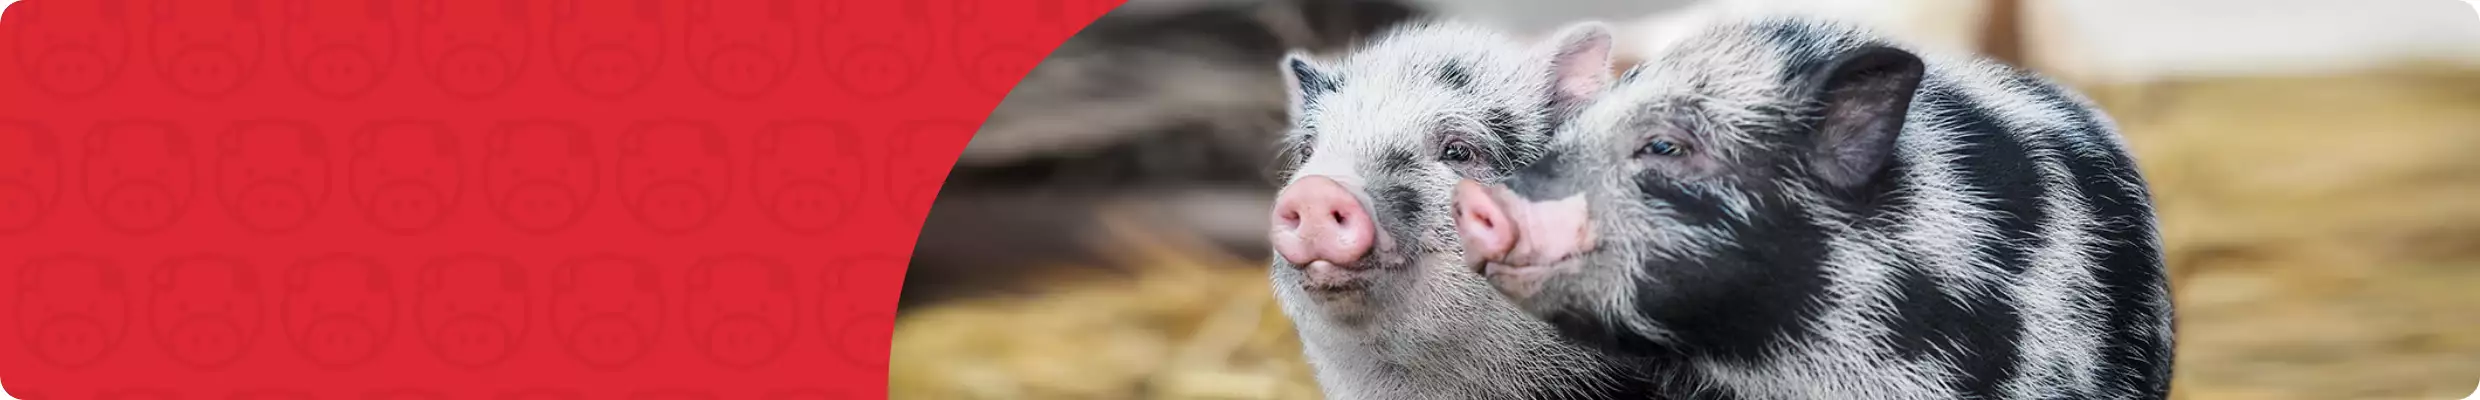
<point x="497" y="199"/>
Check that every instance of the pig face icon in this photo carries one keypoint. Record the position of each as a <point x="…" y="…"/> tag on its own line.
<point x="674" y="175"/>
<point x="70" y="50"/>
<point x="206" y="49"/>
<point x="273" y="175"/>
<point x="205" y="310"/>
<point x="71" y="309"/>
<point x="339" y="309"/>
<point x="340" y="49"/>
<point x="873" y="61"/>
<point x="29" y="175"/>
<point x="741" y="49"/>
<point x="540" y="175"/>
<point x="994" y="59"/>
<point x="139" y="175"/>
<point x="853" y="331"/>
<point x="740" y="309"/>
<point x="607" y="49"/>
<point x="472" y="309"/>
<point x="607" y="308"/>
<point x="803" y="174"/>
<point x="911" y="184"/>
<point x="407" y="175"/>
<point x="473" y="54"/>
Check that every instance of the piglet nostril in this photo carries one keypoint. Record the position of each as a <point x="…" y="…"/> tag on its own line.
<point x="1317" y="219"/>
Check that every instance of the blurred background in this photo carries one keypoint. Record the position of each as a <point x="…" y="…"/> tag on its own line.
<point x="2316" y="163"/>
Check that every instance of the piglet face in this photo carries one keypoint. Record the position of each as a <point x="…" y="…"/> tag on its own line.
<point x="339" y="310"/>
<point x="860" y="336"/>
<point x="607" y="309"/>
<point x="139" y="175"/>
<point x="740" y="49"/>
<point x="472" y="309"/>
<point x="206" y="48"/>
<point x="71" y="310"/>
<point x="406" y="176"/>
<point x="740" y="309"/>
<point x="540" y="175"/>
<point x="473" y="49"/>
<point x="30" y="175"/>
<point x="272" y="176"/>
<point x="673" y="176"/>
<point x="803" y="175"/>
<point x="608" y="48"/>
<point x="340" y="49"/>
<point x="205" y="310"/>
<point x="870" y="60"/>
<point x="71" y="49"/>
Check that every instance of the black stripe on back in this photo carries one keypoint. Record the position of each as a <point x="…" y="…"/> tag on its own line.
<point x="1998" y="165"/>
<point x="2129" y="266"/>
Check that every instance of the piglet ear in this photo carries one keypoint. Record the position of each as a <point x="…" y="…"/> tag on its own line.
<point x="1305" y="81"/>
<point x="1579" y="63"/>
<point x="1866" y="93"/>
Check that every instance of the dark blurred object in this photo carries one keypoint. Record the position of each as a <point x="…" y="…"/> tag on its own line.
<point x="1163" y="112"/>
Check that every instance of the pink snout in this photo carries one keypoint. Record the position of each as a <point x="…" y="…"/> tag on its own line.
<point x="1317" y="219"/>
<point x="1506" y="231"/>
<point x="1485" y="229"/>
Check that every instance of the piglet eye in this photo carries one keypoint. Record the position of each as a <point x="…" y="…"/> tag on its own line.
<point x="1457" y="151"/>
<point x="1662" y="148"/>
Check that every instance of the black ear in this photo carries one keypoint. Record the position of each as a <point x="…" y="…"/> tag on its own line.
<point x="1866" y="94"/>
<point x="1305" y="82"/>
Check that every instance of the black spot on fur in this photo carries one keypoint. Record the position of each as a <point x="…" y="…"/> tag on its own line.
<point x="1455" y="75"/>
<point x="1688" y="206"/>
<point x="2129" y="268"/>
<point x="1399" y="203"/>
<point x="1749" y="299"/>
<point x="1546" y="178"/>
<point x="1395" y="162"/>
<point x="1978" y="332"/>
<point x="1502" y="124"/>
<point x="1999" y="166"/>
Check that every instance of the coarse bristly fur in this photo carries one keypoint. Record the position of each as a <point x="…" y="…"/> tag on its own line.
<point x="1831" y="215"/>
<point x="1399" y="122"/>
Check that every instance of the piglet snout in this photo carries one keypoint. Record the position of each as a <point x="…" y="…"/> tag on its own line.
<point x="1317" y="219"/>
<point x="1484" y="227"/>
<point x="1504" y="229"/>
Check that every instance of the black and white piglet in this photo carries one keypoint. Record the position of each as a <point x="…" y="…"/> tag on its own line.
<point x="1791" y="208"/>
<point x="1369" y="269"/>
